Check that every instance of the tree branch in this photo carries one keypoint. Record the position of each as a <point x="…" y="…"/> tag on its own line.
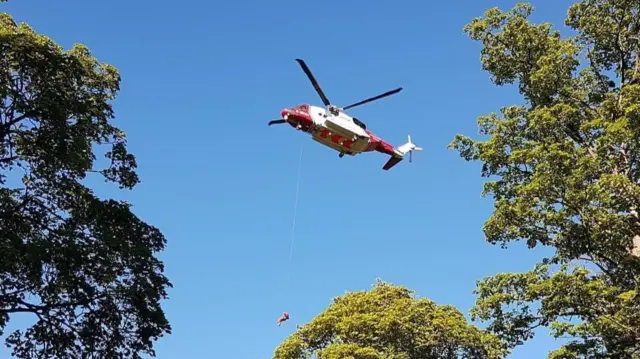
<point x="8" y="159"/>
<point x="595" y="69"/>
<point x="26" y="307"/>
<point x="14" y="121"/>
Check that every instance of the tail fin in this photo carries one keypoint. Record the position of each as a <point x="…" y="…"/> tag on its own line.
<point x="401" y="151"/>
<point x="391" y="162"/>
<point x="408" y="147"/>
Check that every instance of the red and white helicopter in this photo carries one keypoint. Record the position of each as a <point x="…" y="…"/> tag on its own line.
<point x="332" y="127"/>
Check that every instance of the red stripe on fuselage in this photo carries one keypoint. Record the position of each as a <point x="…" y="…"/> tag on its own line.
<point x="337" y="139"/>
<point x="378" y="144"/>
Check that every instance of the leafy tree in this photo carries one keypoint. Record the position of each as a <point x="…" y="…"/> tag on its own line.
<point x="565" y="173"/>
<point x="389" y="322"/>
<point x="81" y="267"/>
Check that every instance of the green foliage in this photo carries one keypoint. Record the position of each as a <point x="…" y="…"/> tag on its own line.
<point x="389" y="322"/>
<point x="82" y="268"/>
<point x="565" y="173"/>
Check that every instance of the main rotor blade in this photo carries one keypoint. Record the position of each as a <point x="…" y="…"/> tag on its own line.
<point x="388" y="93"/>
<point x="276" y="122"/>
<point x="315" y="84"/>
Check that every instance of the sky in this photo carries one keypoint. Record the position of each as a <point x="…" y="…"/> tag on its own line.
<point x="200" y="81"/>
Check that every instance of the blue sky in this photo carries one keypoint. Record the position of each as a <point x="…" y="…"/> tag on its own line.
<point x="200" y="81"/>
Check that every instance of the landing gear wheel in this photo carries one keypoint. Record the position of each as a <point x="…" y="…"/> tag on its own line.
<point x="341" y="155"/>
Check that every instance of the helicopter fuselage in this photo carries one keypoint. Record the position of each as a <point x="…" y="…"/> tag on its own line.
<point x="335" y="129"/>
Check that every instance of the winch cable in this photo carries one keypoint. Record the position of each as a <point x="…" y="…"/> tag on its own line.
<point x="295" y="207"/>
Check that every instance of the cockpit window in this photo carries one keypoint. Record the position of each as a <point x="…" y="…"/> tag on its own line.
<point x="360" y="123"/>
<point x="303" y="108"/>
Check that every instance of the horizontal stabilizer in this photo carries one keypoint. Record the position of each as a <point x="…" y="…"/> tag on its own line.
<point x="392" y="162"/>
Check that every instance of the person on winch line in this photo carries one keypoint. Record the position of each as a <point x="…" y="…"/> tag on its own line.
<point x="283" y="318"/>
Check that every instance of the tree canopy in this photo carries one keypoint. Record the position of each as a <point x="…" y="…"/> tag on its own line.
<point x="389" y="322"/>
<point x="83" y="268"/>
<point x="564" y="172"/>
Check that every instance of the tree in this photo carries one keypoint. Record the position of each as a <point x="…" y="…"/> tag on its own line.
<point x="389" y="322"/>
<point x="565" y="173"/>
<point x="81" y="267"/>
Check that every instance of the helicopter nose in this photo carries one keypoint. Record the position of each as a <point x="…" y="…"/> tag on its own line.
<point x="285" y="112"/>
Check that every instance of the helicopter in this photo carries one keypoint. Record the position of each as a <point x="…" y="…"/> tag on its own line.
<point x="333" y="128"/>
